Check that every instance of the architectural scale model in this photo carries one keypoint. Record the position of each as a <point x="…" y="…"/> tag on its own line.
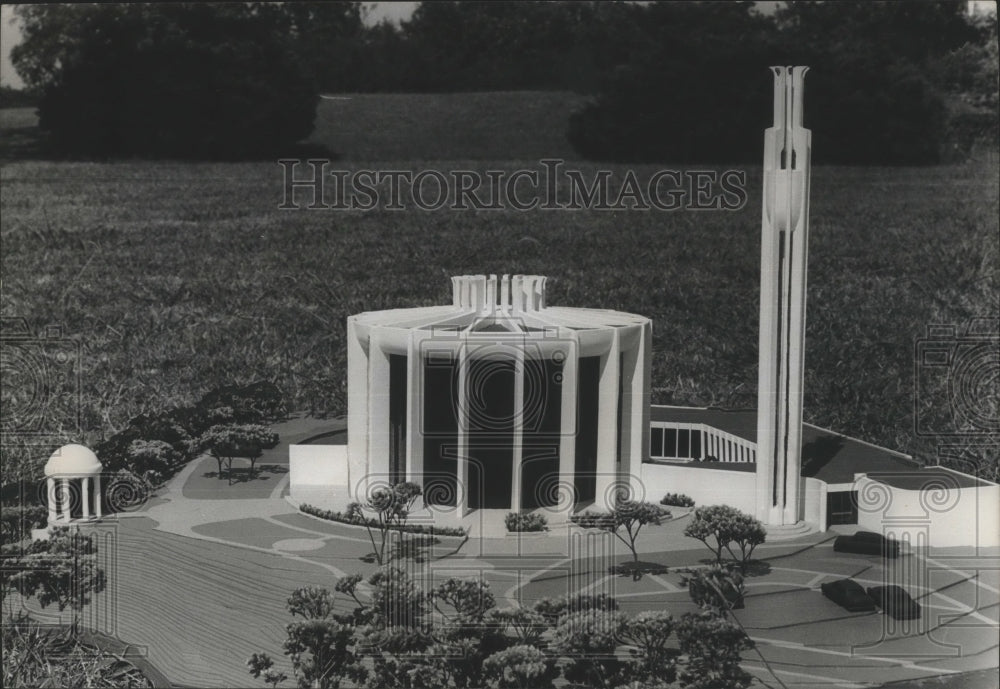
<point x="501" y="402"/>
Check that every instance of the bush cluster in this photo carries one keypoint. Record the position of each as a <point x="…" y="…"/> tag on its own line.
<point x="677" y="500"/>
<point x="355" y="518"/>
<point x="156" y="446"/>
<point x="16" y="521"/>
<point x="454" y="636"/>
<point x="517" y="522"/>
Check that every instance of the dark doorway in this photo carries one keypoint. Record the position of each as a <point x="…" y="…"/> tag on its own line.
<point x="842" y="507"/>
<point x="440" y="421"/>
<point x="540" y="433"/>
<point x="490" y="399"/>
<point x="589" y="392"/>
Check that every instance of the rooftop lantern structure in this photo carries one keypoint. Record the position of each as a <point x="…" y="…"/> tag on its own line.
<point x="70" y="473"/>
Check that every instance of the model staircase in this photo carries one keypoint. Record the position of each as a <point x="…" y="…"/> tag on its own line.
<point x="787" y="532"/>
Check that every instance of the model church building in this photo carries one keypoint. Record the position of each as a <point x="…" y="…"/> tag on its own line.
<point x="500" y="402"/>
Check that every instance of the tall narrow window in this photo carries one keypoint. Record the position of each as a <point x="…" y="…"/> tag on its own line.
<point x="440" y="420"/>
<point x="683" y="443"/>
<point x="656" y="442"/>
<point x="397" y="418"/>
<point x="670" y="442"/>
<point x="588" y="391"/>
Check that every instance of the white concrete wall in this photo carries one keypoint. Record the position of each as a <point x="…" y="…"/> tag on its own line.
<point x="814" y="503"/>
<point x="706" y="486"/>
<point x="319" y="475"/>
<point x="945" y="518"/>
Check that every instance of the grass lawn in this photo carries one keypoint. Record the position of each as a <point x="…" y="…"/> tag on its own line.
<point x="176" y="277"/>
<point x="522" y="125"/>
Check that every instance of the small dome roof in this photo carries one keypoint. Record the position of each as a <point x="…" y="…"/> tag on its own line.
<point x="71" y="460"/>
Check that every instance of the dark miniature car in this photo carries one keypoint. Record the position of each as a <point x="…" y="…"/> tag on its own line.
<point x="849" y="595"/>
<point x="867" y="543"/>
<point x="895" y="602"/>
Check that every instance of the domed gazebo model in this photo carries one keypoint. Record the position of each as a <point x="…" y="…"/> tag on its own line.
<point x="69" y="464"/>
<point x="498" y="401"/>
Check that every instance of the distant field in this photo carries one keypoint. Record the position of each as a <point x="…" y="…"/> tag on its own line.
<point x="176" y="277"/>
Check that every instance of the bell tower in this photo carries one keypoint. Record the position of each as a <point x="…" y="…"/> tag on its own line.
<point x="784" y="242"/>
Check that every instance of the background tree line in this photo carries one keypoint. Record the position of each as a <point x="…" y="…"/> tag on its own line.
<point x="891" y="82"/>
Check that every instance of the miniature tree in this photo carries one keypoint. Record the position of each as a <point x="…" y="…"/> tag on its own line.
<point x="711" y="645"/>
<point x="224" y="442"/>
<point x="747" y="534"/>
<point x="625" y="521"/>
<point x="719" y="588"/>
<point x="465" y="641"/>
<point x="262" y="665"/>
<point x="588" y="639"/>
<point x="652" y="659"/>
<point x="390" y="508"/>
<point x="520" y="667"/>
<point x="152" y="458"/>
<point x="322" y="647"/>
<point x="718" y="526"/>
<point x="60" y="570"/>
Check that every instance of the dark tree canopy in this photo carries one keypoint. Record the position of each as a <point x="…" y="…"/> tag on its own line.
<point x="669" y="82"/>
<point x="178" y="79"/>
<point x="696" y="87"/>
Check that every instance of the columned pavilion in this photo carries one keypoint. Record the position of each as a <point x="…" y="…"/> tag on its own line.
<point x="73" y="484"/>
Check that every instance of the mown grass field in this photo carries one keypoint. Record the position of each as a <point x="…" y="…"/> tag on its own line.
<point x="177" y="277"/>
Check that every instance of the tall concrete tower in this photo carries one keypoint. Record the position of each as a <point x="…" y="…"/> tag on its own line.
<point x="784" y="240"/>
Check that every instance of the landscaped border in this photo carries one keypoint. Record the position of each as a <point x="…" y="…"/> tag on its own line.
<point x="343" y="518"/>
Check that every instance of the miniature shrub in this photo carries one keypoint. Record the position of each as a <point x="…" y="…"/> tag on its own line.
<point x="156" y="456"/>
<point x="554" y="608"/>
<point x="116" y="453"/>
<point x="717" y="587"/>
<point x="593" y="520"/>
<point x="125" y="491"/>
<point x="677" y="500"/>
<point x="520" y="666"/>
<point x="16" y="521"/>
<point x="254" y="403"/>
<point x="525" y="522"/>
<point x="352" y="517"/>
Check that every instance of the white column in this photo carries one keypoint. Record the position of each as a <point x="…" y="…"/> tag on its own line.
<point x="518" y="430"/>
<point x="67" y="516"/>
<point x="357" y="405"/>
<point x="635" y="418"/>
<point x="414" y="400"/>
<point x="568" y="426"/>
<point x="85" y="496"/>
<point x="462" y="462"/>
<point x="378" y="412"/>
<point x="52" y="499"/>
<point x="607" y="425"/>
<point x="98" y="497"/>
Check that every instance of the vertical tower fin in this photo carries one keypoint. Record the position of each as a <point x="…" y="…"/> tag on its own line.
<point x="784" y="242"/>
